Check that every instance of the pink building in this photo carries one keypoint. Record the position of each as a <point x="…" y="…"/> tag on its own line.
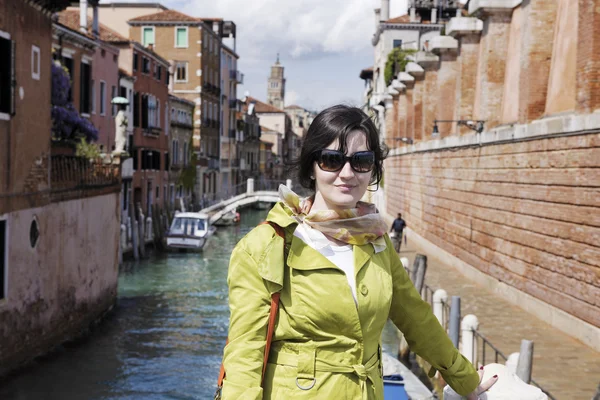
<point x="105" y="75"/>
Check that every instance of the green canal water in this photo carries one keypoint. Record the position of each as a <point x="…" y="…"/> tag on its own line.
<point x="164" y="339"/>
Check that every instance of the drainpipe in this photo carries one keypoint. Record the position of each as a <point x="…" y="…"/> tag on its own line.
<point x="95" y="29"/>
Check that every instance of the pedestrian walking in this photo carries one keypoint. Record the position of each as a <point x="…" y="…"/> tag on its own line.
<point x="397" y="228"/>
<point x="338" y="279"/>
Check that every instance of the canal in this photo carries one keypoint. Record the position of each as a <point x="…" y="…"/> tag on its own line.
<point x="164" y="339"/>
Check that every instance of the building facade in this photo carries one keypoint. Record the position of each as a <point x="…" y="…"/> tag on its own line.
<point x="47" y="294"/>
<point x="182" y="172"/>
<point x="249" y="135"/>
<point x="104" y="67"/>
<point x="149" y="144"/>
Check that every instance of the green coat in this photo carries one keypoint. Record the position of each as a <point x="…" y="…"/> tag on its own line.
<point x="321" y="336"/>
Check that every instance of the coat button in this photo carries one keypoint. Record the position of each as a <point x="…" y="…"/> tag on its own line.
<point x="364" y="290"/>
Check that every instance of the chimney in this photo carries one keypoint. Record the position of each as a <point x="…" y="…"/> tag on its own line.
<point x="377" y="17"/>
<point x="385" y="10"/>
<point x="413" y="14"/>
<point x="95" y="21"/>
<point x="83" y="15"/>
<point x="434" y="12"/>
<point x="150" y="46"/>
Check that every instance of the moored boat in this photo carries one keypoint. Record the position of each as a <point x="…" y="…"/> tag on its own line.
<point x="189" y="231"/>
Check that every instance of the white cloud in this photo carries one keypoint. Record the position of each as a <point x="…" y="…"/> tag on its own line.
<point x="303" y="32"/>
<point x="291" y="97"/>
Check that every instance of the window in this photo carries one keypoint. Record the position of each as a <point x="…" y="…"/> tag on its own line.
<point x="144" y="106"/>
<point x="159" y="72"/>
<point x="113" y="94"/>
<point x="181" y="74"/>
<point x="147" y="35"/>
<point x="181" y="37"/>
<point x="136" y="109"/>
<point x="3" y="258"/>
<point x="145" y="65"/>
<point x="35" y="63"/>
<point x="185" y="153"/>
<point x="397" y="43"/>
<point x="157" y="192"/>
<point x="86" y="92"/>
<point x="93" y="97"/>
<point x="135" y="61"/>
<point x="102" y="98"/>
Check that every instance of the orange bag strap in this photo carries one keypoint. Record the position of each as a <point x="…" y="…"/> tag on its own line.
<point x="270" y="327"/>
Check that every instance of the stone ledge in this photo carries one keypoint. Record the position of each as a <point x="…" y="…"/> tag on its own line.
<point x="405" y="77"/>
<point x="489" y="6"/>
<point x="414" y="69"/>
<point x="463" y="26"/>
<point x="425" y="59"/>
<point x="442" y="44"/>
<point x="398" y="85"/>
<point x="564" y="124"/>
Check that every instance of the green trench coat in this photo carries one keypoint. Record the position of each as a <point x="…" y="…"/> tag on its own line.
<point x="322" y="340"/>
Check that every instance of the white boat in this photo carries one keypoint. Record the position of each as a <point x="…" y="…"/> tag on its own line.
<point x="230" y="218"/>
<point x="189" y="231"/>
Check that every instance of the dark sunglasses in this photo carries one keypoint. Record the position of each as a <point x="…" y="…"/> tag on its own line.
<point x="334" y="160"/>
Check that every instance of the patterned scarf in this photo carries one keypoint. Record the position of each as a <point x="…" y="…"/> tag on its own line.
<point x="357" y="226"/>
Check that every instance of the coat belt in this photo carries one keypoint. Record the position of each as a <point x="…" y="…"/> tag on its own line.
<point x="307" y="363"/>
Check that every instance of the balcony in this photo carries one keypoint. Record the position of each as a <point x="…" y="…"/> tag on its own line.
<point x="224" y="163"/>
<point x="236" y="76"/>
<point x="73" y="177"/>
<point x="235" y="163"/>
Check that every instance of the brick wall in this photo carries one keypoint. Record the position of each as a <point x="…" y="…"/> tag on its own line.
<point x="588" y="56"/>
<point x="528" y="213"/>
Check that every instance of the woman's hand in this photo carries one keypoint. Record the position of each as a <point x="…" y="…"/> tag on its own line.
<point x="483" y="387"/>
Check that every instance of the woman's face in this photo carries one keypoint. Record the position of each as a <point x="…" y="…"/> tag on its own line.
<point x="344" y="188"/>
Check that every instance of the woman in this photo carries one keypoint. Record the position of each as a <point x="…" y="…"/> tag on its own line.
<point x="340" y="282"/>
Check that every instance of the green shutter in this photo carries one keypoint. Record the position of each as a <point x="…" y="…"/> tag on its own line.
<point x="148" y="36"/>
<point x="182" y="40"/>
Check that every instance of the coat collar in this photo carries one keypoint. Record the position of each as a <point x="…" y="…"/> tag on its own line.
<point x="303" y="257"/>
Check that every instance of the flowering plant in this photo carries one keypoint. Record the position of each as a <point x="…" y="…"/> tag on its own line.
<point x="67" y="124"/>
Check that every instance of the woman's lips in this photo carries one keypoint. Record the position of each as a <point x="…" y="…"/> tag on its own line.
<point x="345" y="188"/>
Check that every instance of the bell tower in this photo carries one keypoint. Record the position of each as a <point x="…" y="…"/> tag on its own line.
<point x="276" y="85"/>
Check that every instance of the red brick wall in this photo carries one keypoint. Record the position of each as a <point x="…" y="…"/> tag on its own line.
<point x="492" y="58"/>
<point x="527" y="214"/>
<point x="588" y="56"/>
<point x="418" y="108"/>
<point x="468" y="65"/>
<point x="536" y="58"/>
<point x="446" y="93"/>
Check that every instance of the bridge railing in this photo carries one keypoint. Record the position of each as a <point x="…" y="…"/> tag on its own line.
<point x="210" y="199"/>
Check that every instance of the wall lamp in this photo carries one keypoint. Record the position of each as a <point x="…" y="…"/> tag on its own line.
<point x="476" y="125"/>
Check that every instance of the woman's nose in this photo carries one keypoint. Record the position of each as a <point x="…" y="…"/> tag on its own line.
<point x="346" y="171"/>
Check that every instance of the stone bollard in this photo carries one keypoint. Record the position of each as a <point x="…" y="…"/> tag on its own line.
<point x="454" y="323"/>
<point x="405" y="262"/>
<point x="128" y="225"/>
<point x="469" y="349"/>
<point x="511" y="362"/>
<point x="525" y="362"/>
<point x="149" y="231"/>
<point x="508" y="386"/>
<point x="250" y="185"/>
<point x="288" y="183"/>
<point x="439" y="298"/>
<point x="123" y="237"/>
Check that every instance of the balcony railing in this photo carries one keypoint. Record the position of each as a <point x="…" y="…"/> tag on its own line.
<point x="237" y="76"/>
<point x="235" y="163"/>
<point x="71" y="175"/>
<point x="213" y="163"/>
<point x="224" y="163"/>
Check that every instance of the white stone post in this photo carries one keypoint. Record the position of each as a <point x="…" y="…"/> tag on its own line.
<point x="250" y="186"/>
<point x="439" y="298"/>
<point x="469" y="349"/>
<point x="288" y="183"/>
<point x="525" y="361"/>
<point x="511" y="363"/>
<point x="149" y="231"/>
<point x="405" y="262"/>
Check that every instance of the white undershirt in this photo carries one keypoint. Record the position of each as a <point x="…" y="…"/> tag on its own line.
<point x="340" y="256"/>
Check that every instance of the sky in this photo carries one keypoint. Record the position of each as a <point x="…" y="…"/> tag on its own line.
<point x="323" y="44"/>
